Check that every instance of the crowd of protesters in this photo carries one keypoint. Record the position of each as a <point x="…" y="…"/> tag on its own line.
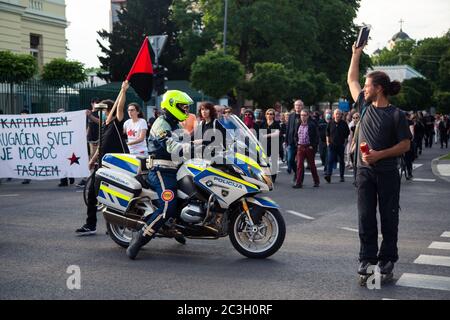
<point x="329" y="133"/>
<point x="300" y="135"/>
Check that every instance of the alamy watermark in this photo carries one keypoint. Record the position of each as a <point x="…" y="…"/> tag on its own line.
<point x="74" y="280"/>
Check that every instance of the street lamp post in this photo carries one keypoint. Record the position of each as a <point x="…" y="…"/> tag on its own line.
<point x="225" y="28"/>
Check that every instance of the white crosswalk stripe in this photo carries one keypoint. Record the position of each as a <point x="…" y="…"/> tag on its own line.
<point x="440" y="245"/>
<point x="424" y="281"/>
<point x="433" y="260"/>
<point x="427" y="281"/>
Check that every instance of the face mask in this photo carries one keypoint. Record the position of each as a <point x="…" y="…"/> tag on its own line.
<point x="328" y="116"/>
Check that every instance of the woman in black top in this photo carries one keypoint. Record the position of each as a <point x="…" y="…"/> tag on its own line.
<point x="208" y="121"/>
<point x="269" y="132"/>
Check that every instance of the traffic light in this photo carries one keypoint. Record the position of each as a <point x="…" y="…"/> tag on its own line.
<point x="159" y="80"/>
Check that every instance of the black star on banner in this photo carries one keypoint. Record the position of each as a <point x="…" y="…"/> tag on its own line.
<point x="74" y="159"/>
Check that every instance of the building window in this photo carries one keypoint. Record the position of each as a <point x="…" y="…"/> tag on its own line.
<point x="36" y="5"/>
<point x="36" y="48"/>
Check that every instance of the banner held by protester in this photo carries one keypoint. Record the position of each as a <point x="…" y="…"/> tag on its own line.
<point x="43" y="146"/>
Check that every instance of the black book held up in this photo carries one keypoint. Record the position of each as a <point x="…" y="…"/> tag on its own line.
<point x="363" y="36"/>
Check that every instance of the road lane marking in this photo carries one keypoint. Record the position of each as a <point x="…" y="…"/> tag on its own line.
<point x="417" y="165"/>
<point x="9" y="195"/>
<point x="423" y="180"/>
<point x="446" y="234"/>
<point x="356" y="230"/>
<point x="424" y="281"/>
<point x="439" y="245"/>
<point x="301" y="215"/>
<point x="433" y="260"/>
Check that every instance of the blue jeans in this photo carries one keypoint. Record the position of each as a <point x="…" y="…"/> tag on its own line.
<point x="291" y="153"/>
<point x="164" y="183"/>
<point x="336" y="153"/>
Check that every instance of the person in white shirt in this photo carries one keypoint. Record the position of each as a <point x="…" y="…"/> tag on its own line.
<point x="136" y="129"/>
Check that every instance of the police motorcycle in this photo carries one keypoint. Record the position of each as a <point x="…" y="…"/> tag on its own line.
<point x="215" y="198"/>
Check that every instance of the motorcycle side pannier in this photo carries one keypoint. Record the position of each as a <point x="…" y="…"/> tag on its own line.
<point x="116" y="189"/>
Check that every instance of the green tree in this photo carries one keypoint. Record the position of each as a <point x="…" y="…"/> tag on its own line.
<point x="416" y="94"/>
<point x="64" y="72"/>
<point x="301" y="87"/>
<point x="139" y="19"/>
<point x="17" y="68"/>
<point x="442" y="99"/>
<point x="269" y="83"/>
<point x="444" y="72"/>
<point x="300" y="34"/>
<point x="216" y="74"/>
<point x="192" y="37"/>
<point x="427" y="55"/>
<point x="400" y="54"/>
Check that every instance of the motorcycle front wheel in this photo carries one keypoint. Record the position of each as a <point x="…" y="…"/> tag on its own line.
<point x="260" y="240"/>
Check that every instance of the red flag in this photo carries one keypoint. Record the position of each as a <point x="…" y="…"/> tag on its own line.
<point x="141" y="74"/>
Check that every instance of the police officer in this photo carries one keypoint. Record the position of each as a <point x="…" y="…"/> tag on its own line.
<point x="163" y="170"/>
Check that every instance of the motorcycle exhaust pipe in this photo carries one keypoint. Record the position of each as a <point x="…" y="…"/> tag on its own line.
<point x="120" y="220"/>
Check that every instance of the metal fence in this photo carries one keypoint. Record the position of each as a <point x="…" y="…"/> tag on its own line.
<point x="41" y="97"/>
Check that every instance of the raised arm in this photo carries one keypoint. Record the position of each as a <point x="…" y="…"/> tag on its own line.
<point x="117" y="109"/>
<point x="353" y="72"/>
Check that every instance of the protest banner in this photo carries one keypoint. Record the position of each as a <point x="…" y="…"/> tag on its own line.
<point x="43" y="146"/>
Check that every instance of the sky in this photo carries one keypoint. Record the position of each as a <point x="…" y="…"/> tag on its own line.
<point x="422" y="19"/>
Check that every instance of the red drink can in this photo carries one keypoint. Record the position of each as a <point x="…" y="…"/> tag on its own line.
<point x="364" y="148"/>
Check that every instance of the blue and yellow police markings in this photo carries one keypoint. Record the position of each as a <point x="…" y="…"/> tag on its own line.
<point x="123" y="162"/>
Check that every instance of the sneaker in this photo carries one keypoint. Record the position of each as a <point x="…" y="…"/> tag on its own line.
<point x="81" y="184"/>
<point x="386" y="267"/>
<point x="363" y="266"/>
<point x="297" y="186"/>
<point x="328" y="178"/>
<point x="85" y="231"/>
<point x="316" y="185"/>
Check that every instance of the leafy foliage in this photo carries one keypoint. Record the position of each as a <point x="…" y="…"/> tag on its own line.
<point x="139" y="19"/>
<point x="216" y="74"/>
<point x="61" y="70"/>
<point x="17" y="68"/>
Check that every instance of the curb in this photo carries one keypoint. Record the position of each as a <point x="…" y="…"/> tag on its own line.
<point x="436" y="172"/>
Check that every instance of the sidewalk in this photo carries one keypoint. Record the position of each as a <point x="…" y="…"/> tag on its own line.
<point x="441" y="167"/>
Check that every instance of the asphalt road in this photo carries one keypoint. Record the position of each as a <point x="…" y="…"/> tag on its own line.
<point x="317" y="261"/>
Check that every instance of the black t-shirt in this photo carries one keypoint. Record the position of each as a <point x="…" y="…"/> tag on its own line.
<point x="113" y="141"/>
<point x="378" y="128"/>
<point x="337" y="132"/>
<point x="93" y="128"/>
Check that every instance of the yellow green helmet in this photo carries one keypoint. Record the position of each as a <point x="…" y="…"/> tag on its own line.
<point x="172" y="102"/>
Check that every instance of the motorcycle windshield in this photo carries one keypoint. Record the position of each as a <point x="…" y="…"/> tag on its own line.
<point x="240" y="136"/>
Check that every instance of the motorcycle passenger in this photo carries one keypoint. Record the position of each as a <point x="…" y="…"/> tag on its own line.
<point x="163" y="170"/>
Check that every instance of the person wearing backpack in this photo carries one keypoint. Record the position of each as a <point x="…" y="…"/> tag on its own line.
<point x="384" y="129"/>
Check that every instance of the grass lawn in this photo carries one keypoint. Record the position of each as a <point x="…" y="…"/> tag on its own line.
<point x="447" y="157"/>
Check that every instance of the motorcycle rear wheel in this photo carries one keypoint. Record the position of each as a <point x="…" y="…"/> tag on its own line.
<point x="119" y="234"/>
<point x="260" y="241"/>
